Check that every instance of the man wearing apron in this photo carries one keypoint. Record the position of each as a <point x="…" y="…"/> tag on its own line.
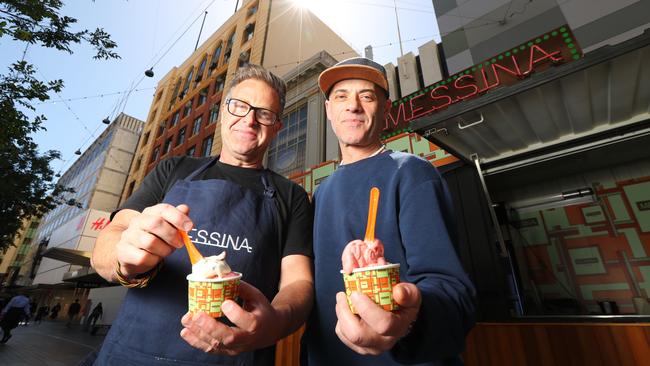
<point x="229" y="202"/>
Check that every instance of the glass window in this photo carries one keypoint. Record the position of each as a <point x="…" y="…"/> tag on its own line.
<point x="199" y="74"/>
<point x="215" y="58"/>
<point x="206" y="148"/>
<point x="145" y="138"/>
<point x="176" y="118"/>
<point x="168" y="146"/>
<point x="172" y="101"/>
<point x="244" y="58"/>
<point x="252" y="9"/>
<point x="287" y="152"/>
<point x="187" y="109"/>
<point x="138" y="162"/>
<point x="219" y="84"/>
<point x="248" y="32"/>
<point x="196" y="128"/>
<point x="161" y="129"/>
<point x="191" y="151"/>
<point x="188" y="82"/>
<point x="181" y="136"/>
<point x="214" y="112"/>
<point x="154" y="154"/>
<point x="203" y="96"/>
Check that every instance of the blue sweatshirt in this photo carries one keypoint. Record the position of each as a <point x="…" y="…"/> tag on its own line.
<point x="415" y="223"/>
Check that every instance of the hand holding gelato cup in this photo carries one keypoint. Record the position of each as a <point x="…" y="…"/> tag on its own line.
<point x="365" y="270"/>
<point x="210" y="283"/>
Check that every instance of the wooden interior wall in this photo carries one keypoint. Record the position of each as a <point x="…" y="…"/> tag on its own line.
<point x="558" y="344"/>
<point x="535" y="344"/>
<point x="287" y="351"/>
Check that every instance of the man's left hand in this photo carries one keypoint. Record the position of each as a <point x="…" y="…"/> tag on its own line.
<point x="375" y="330"/>
<point x="254" y="325"/>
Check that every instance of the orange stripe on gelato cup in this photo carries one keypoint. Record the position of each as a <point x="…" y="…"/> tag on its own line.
<point x="376" y="282"/>
<point x="207" y="294"/>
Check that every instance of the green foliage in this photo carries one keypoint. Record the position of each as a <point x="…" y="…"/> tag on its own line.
<point x="26" y="177"/>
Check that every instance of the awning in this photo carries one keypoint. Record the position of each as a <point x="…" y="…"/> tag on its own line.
<point x="72" y="256"/>
<point x="603" y="98"/>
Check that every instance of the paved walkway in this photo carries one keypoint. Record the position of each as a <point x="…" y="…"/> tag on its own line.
<point x="50" y="343"/>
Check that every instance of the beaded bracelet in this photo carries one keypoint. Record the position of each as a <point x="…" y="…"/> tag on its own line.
<point x="139" y="281"/>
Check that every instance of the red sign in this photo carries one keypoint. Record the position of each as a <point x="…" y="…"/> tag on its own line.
<point x="508" y="68"/>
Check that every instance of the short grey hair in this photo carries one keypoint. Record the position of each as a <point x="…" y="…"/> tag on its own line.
<point x="252" y="71"/>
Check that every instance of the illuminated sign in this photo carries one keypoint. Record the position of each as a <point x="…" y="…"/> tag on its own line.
<point x="508" y="68"/>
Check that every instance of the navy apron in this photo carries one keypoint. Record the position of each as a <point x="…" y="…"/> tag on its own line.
<point x="227" y="217"/>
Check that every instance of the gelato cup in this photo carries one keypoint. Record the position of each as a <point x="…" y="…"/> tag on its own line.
<point x="207" y="294"/>
<point x="376" y="282"/>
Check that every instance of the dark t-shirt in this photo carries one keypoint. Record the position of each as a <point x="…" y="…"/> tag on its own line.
<point x="294" y="208"/>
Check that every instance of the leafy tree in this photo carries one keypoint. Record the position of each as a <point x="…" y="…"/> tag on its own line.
<point x="26" y="179"/>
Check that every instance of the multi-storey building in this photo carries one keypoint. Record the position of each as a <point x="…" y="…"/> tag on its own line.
<point x="97" y="178"/>
<point x="184" y="115"/>
<point x="475" y="30"/>
<point x="15" y="256"/>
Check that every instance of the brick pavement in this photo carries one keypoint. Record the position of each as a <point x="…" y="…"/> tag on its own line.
<point x="50" y="343"/>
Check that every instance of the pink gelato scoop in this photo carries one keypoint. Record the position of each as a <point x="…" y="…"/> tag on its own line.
<point x="359" y="253"/>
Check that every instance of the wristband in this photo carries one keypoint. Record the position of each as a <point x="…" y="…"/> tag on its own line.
<point x="139" y="281"/>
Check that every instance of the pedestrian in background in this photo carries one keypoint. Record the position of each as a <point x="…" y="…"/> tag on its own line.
<point x="73" y="310"/>
<point x="55" y="310"/>
<point x="16" y="310"/>
<point x="42" y="312"/>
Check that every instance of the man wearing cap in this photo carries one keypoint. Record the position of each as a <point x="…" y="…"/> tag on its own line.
<point x="415" y="223"/>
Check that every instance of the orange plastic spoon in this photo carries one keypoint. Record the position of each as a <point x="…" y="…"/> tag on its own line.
<point x="372" y="214"/>
<point x="194" y="253"/>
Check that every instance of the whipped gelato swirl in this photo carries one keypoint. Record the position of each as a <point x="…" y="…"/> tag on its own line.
<point x="212" y="267"/>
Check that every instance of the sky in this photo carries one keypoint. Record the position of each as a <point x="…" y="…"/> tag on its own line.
<point x="162" y="34"/>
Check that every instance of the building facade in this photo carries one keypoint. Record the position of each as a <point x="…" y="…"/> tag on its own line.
<point x="184" y="115"/>
<point x="98" y="178"/>
<point x="15" y="256"/>
<point x="474" y="30"/>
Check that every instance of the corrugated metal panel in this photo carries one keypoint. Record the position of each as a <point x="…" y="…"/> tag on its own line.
<point x="576" y="105"/>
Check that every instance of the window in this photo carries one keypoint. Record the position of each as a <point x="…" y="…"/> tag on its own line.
<point x="154" y="155"/>
<point x="219" y="84"/>
<point x="181" y="136"/>
<point x="129" y="191"/>
<point x="244" y="58"/>
<point x="138" y="162"/>
<point x="161" y="129"/>
<point x="214" y="62"/>
<point x="203" y="96"/>
<point x="175" y="93"/>
<point x="252" y="10"/>
<point x="191" y="151"/>
<point x="197" y="125"/>
<point x="214" y="112"/>
<point x="175" y="118"/>
<point x="168" y="146"/>
<point x="206" y="148"/>
<point x="145" y="138"/>
<point x="187" y="109"/>
<point x="287" y="151"/>
<point x="188" y="82"/>
<point x="199" y="74"/>
<point x="248" y="32"/>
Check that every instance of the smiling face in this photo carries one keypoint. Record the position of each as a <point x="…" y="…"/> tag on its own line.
<point x="244" y="140"/>
<point x="356" y="109"/>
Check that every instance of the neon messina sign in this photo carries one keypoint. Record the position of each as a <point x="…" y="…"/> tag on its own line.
<point x="508" y="68"/>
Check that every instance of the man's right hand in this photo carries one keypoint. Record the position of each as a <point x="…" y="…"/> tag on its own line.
<point x="151" y="236"/>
